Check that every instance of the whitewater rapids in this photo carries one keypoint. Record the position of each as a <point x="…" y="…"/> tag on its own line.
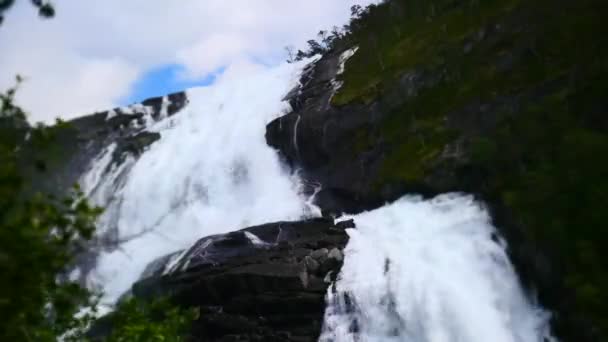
<point x="415" y="270"/>
<point x="211" y="172"/>
<point x="430" y="271"/>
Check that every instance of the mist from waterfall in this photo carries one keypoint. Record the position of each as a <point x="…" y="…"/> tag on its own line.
<point x="211" y="172"/>
<point x="415" y="270"/>
<point x="430" y="271"/>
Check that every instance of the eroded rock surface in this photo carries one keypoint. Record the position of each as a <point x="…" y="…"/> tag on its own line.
<point x="81" y="140"/>
<point x="264" y="283"/>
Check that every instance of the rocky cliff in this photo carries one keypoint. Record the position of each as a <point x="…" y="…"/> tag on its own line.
<point x="79" y="141"/>
<point x="263" y="283"/>
<point x="503" y="99"/>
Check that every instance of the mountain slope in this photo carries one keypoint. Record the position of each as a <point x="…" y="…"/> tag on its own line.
<point x="502" y="98"/>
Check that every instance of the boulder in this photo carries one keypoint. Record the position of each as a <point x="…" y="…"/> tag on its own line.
<point x="262" y="283"/>
<point x="345" y="224"/>
<point x="320" y="254"/>
<point x="312" y="265"/>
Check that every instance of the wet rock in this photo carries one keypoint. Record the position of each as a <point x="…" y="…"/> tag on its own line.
<point x="84" y="138"/>
<point x="166" y="105"/>
<point x="134" y="145"/>
<point x="346" y="224"/>
<point x="320" y="254"/>
<point x="332" y="262"/>
<point x="356" y="180"/>
<point x="312" y="266"/>
<point x="336" y="254"/>
<point x="327" y="134"/>
<point x="251" y="288"/>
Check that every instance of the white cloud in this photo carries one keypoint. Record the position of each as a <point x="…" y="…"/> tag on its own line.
<point x="212" y="52"/>
<point x="91" y="54"/>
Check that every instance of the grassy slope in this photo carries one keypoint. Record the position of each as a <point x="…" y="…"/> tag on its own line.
<point x="548" y="161"/>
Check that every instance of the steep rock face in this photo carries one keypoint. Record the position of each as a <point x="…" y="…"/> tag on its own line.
<point x="458" y="103"/>
<point x="322" y="140"/>
<point x="263" y="283"/>
<point x="80" y="140"/>
<point x="75" y="144"/>
<point x="354" y="180"/>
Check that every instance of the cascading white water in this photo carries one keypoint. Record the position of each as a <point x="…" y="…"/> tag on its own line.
<point x="414" y="271"/>
<point x="211" y="172"/>
<point x="429" y="271"/>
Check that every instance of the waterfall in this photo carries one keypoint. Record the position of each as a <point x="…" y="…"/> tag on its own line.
<point x="430" y="271"/>
<point x="211" y="172"/>
<point x="295" y="134"/>
<point x="414" y="271"/>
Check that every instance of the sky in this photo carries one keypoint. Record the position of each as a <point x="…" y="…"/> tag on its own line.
<point x="98" y="54"/>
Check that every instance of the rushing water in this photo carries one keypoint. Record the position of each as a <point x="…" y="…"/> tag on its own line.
<point x="211" y="172"/>
<point x="430" y="271"/>
<point x="415" y="270"/>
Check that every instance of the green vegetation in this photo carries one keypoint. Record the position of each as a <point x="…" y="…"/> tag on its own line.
<point x="137" y="321"/>
<point x="540" y="70"/>
<point x="45" y="8"/>
<point x="40" y="235"/>
<point x="418" y="35"/>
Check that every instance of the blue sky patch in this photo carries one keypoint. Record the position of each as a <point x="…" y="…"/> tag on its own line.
<point x="162" y="81"/>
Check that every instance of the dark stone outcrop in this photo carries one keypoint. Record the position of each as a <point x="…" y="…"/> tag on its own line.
<point x="264" y="283"/>
<point x="323" y="146"/>
<point x="82" y="139"/>
<point x="77" y="143"/>
<point x="346" y="149"/>
<point x="135" y="144"/>
<point x="318" y="138"/>
<point x="174" y="103"/>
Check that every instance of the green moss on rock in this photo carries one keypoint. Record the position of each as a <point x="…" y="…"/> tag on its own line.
<point x="522" y="86"/>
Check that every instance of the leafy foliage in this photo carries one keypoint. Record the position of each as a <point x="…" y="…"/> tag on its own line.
<point x="137" y="321"/>
<point x="329" y="40"/>
<point x="45" y="8"/>
<point x="39" y="237"/>
<point x="539" y="70"/>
